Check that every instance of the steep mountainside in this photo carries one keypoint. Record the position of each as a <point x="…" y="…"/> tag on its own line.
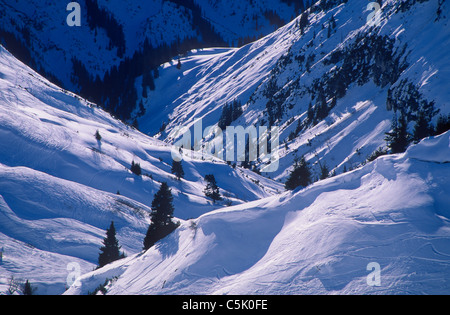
<point x="107" y="49"/>
<point x="331" y="85"/>
<point x="334" y="81"/>
<point x="60" y="186"/>
<point x="381" y="229"/>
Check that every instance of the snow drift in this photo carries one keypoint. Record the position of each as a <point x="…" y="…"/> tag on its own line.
<point x="320" y="240"/>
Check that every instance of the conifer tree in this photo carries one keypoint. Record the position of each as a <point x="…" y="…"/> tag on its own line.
<point x="236" y="110"/>
<point x="162" y="215"/>
<point x="98" y="136"/>
<point x="300" y="176"/>
<point x="212" y="190"/>
<point x="136" y="168"/>
<point x="443" y="124"/>
<point x="423" y="128"/>
<point x="27" y="289"/>
<point x="303" y="22"/>
<point x="324" y="172"/>
<point x="110" y="251"/>
<point x="398" y="139"/>
<point x="177" y="169"/>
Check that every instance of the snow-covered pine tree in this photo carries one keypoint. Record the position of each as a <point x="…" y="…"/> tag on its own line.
<point x="177" y="169"/>
<point x="324" y="172"/>
<point x="300" y="176"/>
<point x="110" y="251"/>
<point x="136" y="168"/>
<point x="398" y="139"/>
<point x="162" y="215"/>
<point x="212" y="190"/>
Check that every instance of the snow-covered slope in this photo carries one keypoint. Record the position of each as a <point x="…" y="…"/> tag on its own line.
<point x="340" y="59"/>
<point x="392" y="212"/>
<point x="42" y="27"/>
<point x="60" y="187"/>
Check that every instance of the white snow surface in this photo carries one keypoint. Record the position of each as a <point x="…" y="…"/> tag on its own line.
<point x="59" y="186"/>
<point x="162" y="22"/>
<point x="354" y="128"/>
<point x="320" y="240"/>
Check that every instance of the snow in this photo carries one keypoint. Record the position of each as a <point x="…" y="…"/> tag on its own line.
<point x="356" y="126"/>
<point x="320" y="240"/>
<point x="55" y="44"/>
<point x="59" y="185"/>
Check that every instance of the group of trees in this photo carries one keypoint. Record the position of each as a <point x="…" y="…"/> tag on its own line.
<point x="230" y="112"/>
<point x="15" y="285"/>
<point x="211" y="191"/>
<point x="410" y="107"/>
<point x="101" y="18"/>
<point x="161" y="226"/>
<point x="399" y="138"/>
<point x="161" y="222"/>
<point x="116" y="91"/>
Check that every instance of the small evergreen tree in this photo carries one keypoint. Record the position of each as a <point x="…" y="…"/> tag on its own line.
<point x="98" y="136"/>
<point x="162" y="215"/>
<point x="300" y="176"/>
<point x="212" y="190"/>
<point x="303" y="22"/>
<point x="424" y="126"/>
<point x="310" y="114"/>
<point x="237" y="110"/>
<point x="227" y="117"/>
<point x="135" y="124"/>
<point x="110" y="251"/>
<point x="27" y="289"/>
<point x="324" y="172"/>
<point x="398" y="139"/>
<point x="177" y="169"/>
<point x="136" y="168"/>
<point x="443" y="124"/>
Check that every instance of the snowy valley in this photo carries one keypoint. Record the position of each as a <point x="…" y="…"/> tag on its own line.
<point x="61" y="187"/>
<point x="333" y="81"/>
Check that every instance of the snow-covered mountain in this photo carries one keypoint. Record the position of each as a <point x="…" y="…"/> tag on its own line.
<point x="330" y="87"/>
<point x="60" y="187"/>
<point x="330" y="80"/>
<point x="392" y="213"/>
<point x="112" y="34"/>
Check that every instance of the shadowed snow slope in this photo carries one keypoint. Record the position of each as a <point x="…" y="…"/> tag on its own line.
<point x="351" y="67"/>
<point x="320" y="240"/>
<point x="59" y="185"/>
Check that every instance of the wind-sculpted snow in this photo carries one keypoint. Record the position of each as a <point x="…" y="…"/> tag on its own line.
<point x="383" y="227"/>
<point x="60" y="187"/>
<point x="393" y="212"/>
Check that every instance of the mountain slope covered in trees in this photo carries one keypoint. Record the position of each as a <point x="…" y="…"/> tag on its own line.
<point x="332" y="84"/>
<point x="118" y="41"/>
